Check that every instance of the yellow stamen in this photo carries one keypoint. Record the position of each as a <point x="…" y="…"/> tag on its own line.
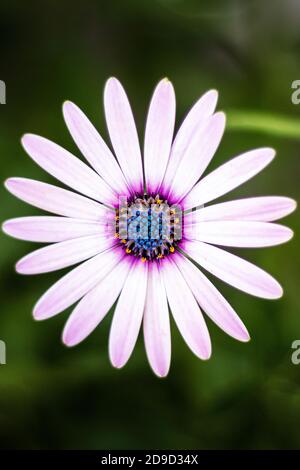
<point x="143" y="259"/>
<point x="117" y="235"/>
<point x="172" y="249"/>
<point x="158" y="201"/>
<point x="128" y="251"/>
<point x="160" y="256"/>
<point x="172" y="211"/>
<point x="176" y="221"/>
<point x="123" y="241"/>
<point x="117" y="217"/>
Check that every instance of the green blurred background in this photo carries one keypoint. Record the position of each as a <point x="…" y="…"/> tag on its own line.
<point x="247" y="395"/>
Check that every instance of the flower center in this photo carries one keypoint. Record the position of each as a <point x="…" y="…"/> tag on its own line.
<point x="147" y="227"/>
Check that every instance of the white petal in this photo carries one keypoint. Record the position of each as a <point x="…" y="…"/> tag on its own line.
<point x="234" y="270"/>
<point x="197" y="156"/>
<point x="63" y="254"/>
<point x="210" y="299"/>
<point x="123" y="133"/>
<point x="157" y="324"/>
<point x="194" y="120"/>
<point x="68" y="169"/>
<point x="186" y="311"/>
<point x="93" y="147"/>
<point x="239" y="234"/>
<point x="228" y="176"/>
<point x="76" y="284"/>
<point x="93" y="307"/>
<point x="50" y="229"/>
<point x="56" y="200"/>
<point x="264" y="209"/>
<point x="159" y="134"/>
<point x="128" y="315"/>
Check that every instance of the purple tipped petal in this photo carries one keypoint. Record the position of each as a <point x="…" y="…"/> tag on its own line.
<point x="210" y="299"/>
<point x="198" y="155"/>
<point x="56" y="200"/>
<point x="194" y="120"/>
<point x="68" y="169"/>
<point x="93" y="147"/>
<point x="185" y="310"/>
<point x="157" y="324"/>
<point x="228" y="176"/>
<point x="239" y="234"/>
<point x="128" y="315"/>
<point x="123" y="133"/>
<point x="95" y="305"/>
<point x="264" y="209"/>
<point x="159" y="134"/>
<point x="74" y="285"/>
<point x="234" y="270"/>
<point x="50" y="229"/>
<point x="63" y="254"/>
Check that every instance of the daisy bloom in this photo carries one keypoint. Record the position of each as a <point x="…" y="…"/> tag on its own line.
<point x="139" y="228"/>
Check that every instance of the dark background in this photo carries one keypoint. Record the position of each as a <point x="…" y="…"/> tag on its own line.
<point x="247" y="395"/>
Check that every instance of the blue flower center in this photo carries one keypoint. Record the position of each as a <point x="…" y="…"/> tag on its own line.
<point x="148" y="228"/>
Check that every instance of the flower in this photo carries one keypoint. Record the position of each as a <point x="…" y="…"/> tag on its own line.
<point x="121" y="260"/>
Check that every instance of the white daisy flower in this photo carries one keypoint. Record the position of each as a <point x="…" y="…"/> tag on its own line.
<point x="131" y="227"/>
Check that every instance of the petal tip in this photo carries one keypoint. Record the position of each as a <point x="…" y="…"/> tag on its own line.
<point x="37" y="314"/>
<point x="160" y="368"/>
<point x="206" y="355"/>
<point x="244" y="336"/>
<point x="117" y="364"/>
<point x="117" y="359"/>
<point x="19" y="267"/>
<point x="5" y="227"/>
<point x="166" y="82"/>
<point x="221" y="116"/>
<point x="277" y="292"/>
<point x="25" y="137"/>
<point x="161" y="374"/>
<point x="24" y="267"/>
<point x="67" y="339"/>
<point x="67" y="105"/>
<point x="289" y="234"/>
<point x="271" y="152"/>
<point x="111" y="81"/>
<point x="40" y="311"/>
<point x="206" y="352"/>
<point x="27" y="140"/>
<point x="211" y="98"/>
<point x="293" y="205"/>
<point x="214" y="92"/>
<point x="8" y="183"/>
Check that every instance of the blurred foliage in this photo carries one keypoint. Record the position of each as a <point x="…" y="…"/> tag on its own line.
<point x="247" y="395"/>
<point x="265" y="123"/>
